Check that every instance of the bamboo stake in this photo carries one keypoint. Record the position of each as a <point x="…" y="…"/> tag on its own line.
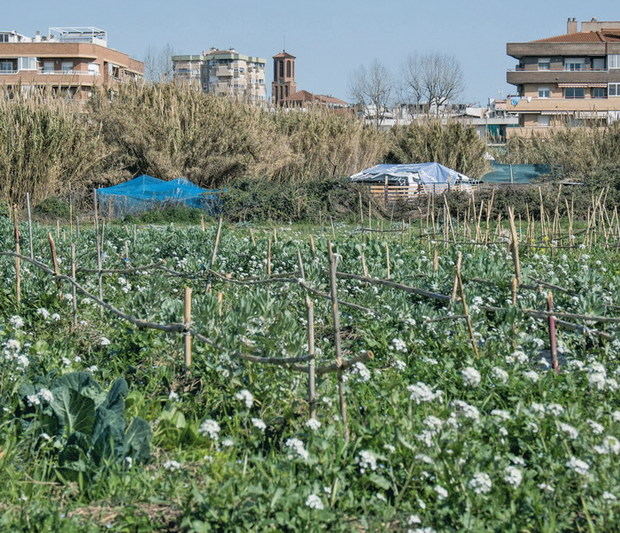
<point x="312" y="245"/>
<point x="268" y="266"/>
<point x="30" y="239"/>
<point x="455" y="286"/>
<point x="18" y="261"/>
<point x="435" y="260"/>
<point x="53" y="254"/>
<point x="387" y="259"/>
<point x="216" y="243"/>
<point x="187" y="323"/>
<point x="361" y="205"/>
<point x="73" y="287"/>
<point x="202" y="223"/>
<point x="514" y="285"/>
<point x="470" y="327"/>
<point x="514" y="246"/>
<point x="553" y="339"/>
<point x="337" y="340"/>
<point x="98" y="243"/>
<point x="220" y="303"/>
<point x="312" y="359"/>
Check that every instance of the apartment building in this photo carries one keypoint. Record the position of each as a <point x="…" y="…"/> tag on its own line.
<point x="223" y="72"/>
<point x="70" y="61"/>
<point x="569" y="79"/>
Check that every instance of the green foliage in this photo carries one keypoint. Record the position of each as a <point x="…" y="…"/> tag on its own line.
<point x="164" y="215"/>
<point x="53" y="207"/>
<point x="87" y="425"/>
<point x="454" y="145"/>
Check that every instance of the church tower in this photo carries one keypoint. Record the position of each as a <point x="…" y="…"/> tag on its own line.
<point x="283" y="84"/>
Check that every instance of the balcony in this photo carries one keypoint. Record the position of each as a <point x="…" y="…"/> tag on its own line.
<point x="563" y="105"/>
<point x="223" y="72"/>
<point x="520" y="76"/>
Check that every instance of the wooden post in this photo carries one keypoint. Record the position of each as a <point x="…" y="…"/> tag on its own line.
<point x="30" y="239"/>
<point x="455" y="286"/>
<point x="387" y="259"/>
<point x="361" y="208"/>
<point x="312" y="359"/>
<point x="220" y="303"/>
<point x="216" y="243"/>
<point x="553" y="338"/>
<point x="187" y="322"/>
<point x="363" y="261"/>
<point x="514" y="285"/>
<point x="337" y="340"/>
<point x="312" y="245"/>
<point x="514" y="246"/>
<point x="98" y="244"/>
<point x="202" y="223"/>
<point x="435" y="260"/>
<point x="53" y="254"/>
<point x="18" y="261"/>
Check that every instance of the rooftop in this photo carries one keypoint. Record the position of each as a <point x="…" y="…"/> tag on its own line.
<point x="602" y="36"/>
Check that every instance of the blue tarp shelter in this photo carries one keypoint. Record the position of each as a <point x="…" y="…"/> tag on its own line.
<point x="411" y="174"/>
<point x="146" y="192"/>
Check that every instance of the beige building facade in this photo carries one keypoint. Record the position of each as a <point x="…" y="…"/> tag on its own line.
<point x="569" y="79"/>
<point x="71" y="61"/>
<point x="224" y="73"/>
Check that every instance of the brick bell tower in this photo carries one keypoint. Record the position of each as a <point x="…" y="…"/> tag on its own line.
<point x="283" y="84"/>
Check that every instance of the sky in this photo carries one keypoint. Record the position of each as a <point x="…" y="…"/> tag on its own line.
<point x="330" y="38"/>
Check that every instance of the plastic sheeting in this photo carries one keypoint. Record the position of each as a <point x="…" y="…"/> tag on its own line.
<point x="146" y="192"/>
<point x="410" y="174"/>
<point x="503" y="173"/>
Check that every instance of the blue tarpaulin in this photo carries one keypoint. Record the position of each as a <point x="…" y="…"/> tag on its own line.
<point x="146" y="192"/>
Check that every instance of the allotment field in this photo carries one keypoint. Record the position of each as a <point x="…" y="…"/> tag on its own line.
<point x="372" y="377"/>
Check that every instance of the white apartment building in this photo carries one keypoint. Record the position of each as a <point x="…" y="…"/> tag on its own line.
<point x="223" y="72"/>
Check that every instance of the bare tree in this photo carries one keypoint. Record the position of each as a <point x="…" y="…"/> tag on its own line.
<point x="371" y="87"/>
<point x="158" y="64"/>
<point x="433" y="79"/>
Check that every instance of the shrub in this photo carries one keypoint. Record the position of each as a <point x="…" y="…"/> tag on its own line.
<point x="454" y="145"/>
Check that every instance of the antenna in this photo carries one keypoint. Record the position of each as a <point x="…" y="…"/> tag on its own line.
<point x="284" y="43"/>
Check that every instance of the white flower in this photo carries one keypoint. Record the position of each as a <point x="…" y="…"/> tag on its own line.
<point x="92" y="368"/>
<point x="45" y="436"/>
<point x="46" y="395"/>
<point x="516" y="357"/>
<point x="246" y="397"/>
<point x="55" y="317"/>
<point x="259" y="424"/>
<point x="399" y="365"/>
<point x="399" y="345"/>
<point x="296" y="448"/>
<point x="554" y="409"/>
<point x="413" y="520"/>
<point x="389" y="448"/>
<point x="227" y="443"/>
<point x="313" y="424"/>
<point x="16" y="321"/>
<point x="609" y="497"/>
<point x="314" y="502"/>
<point x="173" y="396"/>
<point x="43" y="312"/>
<point x="513" y="476"/>
<point x="366" y="461"/>
<point x="104" y="341"/>
<point x="33" y="399"/>
<point x="481" y="483"/>
<point x="442" y="493"/>
<point x="465" y="410"/>
<point x="499" y="374"/>
<point x="610" y="445"/>
<point x="471" y="376"/>
<point x="531" y="375"/>
<point x="421" y="392"/>
<point x="570" y="431"/>
<point x="545" y="487"/>
<point x="172" y="465"/>
<point x="615" y="416"/>
<point x="579" y="466"/>
<point x="501" y="414"/>
<point x="361" y="372"/>
<point x="210" y="428"/>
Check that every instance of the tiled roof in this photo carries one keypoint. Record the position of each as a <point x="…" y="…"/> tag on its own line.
<point x="307" y="96"/>
<point x="603" y="36"/>
<point x="284" y="53"/>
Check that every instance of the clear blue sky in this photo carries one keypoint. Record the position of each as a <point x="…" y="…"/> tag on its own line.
<point x="329" y="37"/>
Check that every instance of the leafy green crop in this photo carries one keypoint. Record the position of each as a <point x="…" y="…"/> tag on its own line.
<point x="86" y="424"/>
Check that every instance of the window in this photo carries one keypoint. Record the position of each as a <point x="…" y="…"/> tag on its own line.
<point x="598" y="63"/>
<point x="544" y="92"/>
<point x="599" y="92"/>
<point x="544" y="120"/>
<point x="48" y="66"/>
<point x="544" y="63"/>
<point x="574" y="92"/>
<point x="572" y="63"/>
<point x="67" y="66"/>
<point x="7" y="66"/>
<point x="93" y="68"/>
<point x="27" y="63"/>
<point x="613" y="61"/>
<point x="613" y="89"/>
<point x="4" y="37"/>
